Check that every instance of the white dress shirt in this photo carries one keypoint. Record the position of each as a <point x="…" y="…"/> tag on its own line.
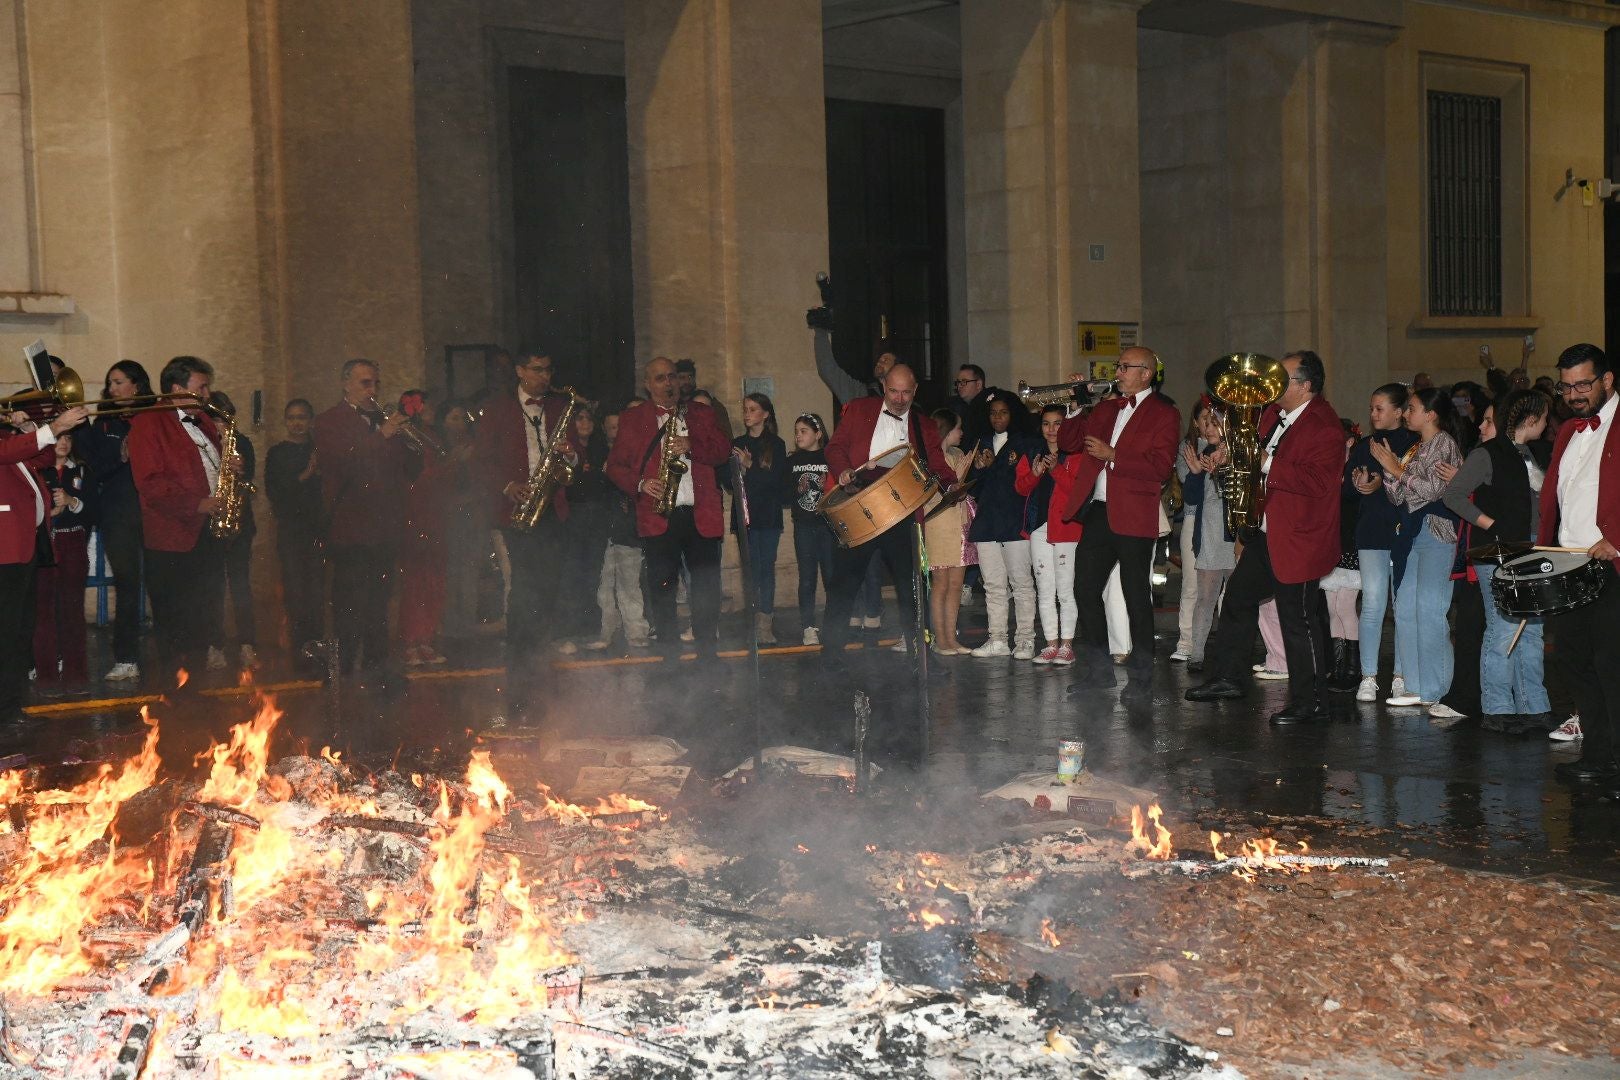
<point x="43" y="437"/>
<point x="889" y="433"/>
<point x="1578" y="482"/>
<point x="1283" y="420"/>
<point x="685" y="495"/>
<point x="1099" y="490"/>
<point x="205" y="450"/>
<point x="534" y="426"/>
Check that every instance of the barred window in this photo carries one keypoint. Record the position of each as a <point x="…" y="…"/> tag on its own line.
<point x="1465" y="204"/>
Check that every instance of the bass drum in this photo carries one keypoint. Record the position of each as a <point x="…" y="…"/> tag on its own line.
<point x="858" y="516"/>
<point x="1548" y="583"/>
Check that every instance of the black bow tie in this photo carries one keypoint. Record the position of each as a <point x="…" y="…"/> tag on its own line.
<point x="192" y="420"/>
<point x="896" y="415"/>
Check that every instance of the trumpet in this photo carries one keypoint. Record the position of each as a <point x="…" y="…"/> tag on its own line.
<point x="1080" y="393"/>
<point x="421" y="439"/>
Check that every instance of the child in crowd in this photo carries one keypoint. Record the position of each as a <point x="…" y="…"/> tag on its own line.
<point x="1214" y="554"/>
<point x="998" y="532"/>
<point x="618" y="593"/>
<point x="949" y="553"/>
<point x="763" y="458"/>
<point x="1046" y="479"/>
<point x="812" y="539"/>
<point x="59" y="647"/>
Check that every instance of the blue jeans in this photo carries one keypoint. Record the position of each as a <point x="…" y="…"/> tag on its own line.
<point x="762" y="545"/>
<point x="1375" y="575"/>
<point x="813" y="546"/>
<point x="1422" y="636"/>
<point x="1509" y="684"/>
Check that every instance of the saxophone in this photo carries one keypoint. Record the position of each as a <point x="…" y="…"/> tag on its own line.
<point x="553" y="471"/>
<point x="232" y="492"/>
<point x="670" y="465"/>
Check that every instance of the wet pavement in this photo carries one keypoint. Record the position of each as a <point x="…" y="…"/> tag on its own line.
<point x="1377" y="781"/>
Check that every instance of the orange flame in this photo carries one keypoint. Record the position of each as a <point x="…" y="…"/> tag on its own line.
<point x="1159" y="847"/>
<point x="181" y="677"/>
<point x="1047" y="935"/>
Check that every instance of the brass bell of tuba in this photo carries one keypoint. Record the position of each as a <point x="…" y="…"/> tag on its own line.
<point x="1244" y="384"/>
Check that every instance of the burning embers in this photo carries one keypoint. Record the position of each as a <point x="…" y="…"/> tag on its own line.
<point x="280" y="906"/>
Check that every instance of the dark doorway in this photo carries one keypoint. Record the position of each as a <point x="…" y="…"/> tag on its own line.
<point x="1611" y="211"/>
<point x="886" y="230"/>
<point x="571" y="226"/>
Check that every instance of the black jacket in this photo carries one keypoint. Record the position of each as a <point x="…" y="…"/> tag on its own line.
<point x="1000" y="517"/>
<point x="769" y="487"/>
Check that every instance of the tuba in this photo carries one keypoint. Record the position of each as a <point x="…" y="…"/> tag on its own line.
<point x="232" y="491"/>
<point x="553" y="471"/>
<point x="670" y="465"/>
<point x="1244" y="384"/>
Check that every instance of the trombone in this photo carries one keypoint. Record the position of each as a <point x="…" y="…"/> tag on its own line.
<point x="67" y="391"/>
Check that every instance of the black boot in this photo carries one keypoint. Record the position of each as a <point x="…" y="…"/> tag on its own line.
<point x="1342" y="678"/>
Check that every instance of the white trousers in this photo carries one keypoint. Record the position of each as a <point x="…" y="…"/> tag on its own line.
<point x="1006" y="569"/>
<point x="1054" y="585"/>
<point x="1119" y="622"/>
<point x="1189" y="583"/>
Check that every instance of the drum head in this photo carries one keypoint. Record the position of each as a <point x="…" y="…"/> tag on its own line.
<point x="889" y="458"/>
<point x="1544" y="564"/>
<point x="835" y="498"/>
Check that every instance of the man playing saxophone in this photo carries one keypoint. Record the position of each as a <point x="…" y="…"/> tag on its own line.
<point x="693" y="527"/>
<point x="175" y="459"/>
<point x="512" y="437"/>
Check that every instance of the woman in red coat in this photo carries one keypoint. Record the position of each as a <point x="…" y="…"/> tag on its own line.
<point x="1047" y="480"/>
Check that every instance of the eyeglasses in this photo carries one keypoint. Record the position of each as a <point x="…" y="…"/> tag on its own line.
<point x="1579" y="387"/>
<point x="1138" y="367"/>
<point x="967" y="382"/>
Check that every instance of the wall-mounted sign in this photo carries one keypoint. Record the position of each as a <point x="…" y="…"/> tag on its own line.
<point x="1098" y="345"/>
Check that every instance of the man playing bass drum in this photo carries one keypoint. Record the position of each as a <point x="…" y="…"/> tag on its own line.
<point x="869" y="427"/>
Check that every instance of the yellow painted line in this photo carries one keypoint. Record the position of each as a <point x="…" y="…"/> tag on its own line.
<point x="133" y="701"/>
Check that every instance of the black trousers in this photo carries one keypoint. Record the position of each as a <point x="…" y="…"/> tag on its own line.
<point x="1586" y="652"/>
<point x="16" y="635"/>
<point x="1100" y="548"/>
<point x="664" y="555"/>
<point x="303" y="586"/>
<point x="362" y="579"/>
<point x="532" y="614"/>
<point x="238" y="559"/>
<point x="187" y="590"/>
<point x="120" y="531"/>
<point x="896" y="548"/>
<point x="1301" y="609"/>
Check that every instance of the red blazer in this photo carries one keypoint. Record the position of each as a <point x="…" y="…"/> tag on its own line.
<point x="19" y="456"/>
<point x="1142" y="463"/>
<point x="502" y="448"/>
<point x="169" y="478"/>
<point x="1058" y="531"/>
<point x="1608" y="506"/>
<point x="852" y="442"/>
<point x="629" y="463"/>
<point x="365" y="478"/>
<point x="1302" y="493"/>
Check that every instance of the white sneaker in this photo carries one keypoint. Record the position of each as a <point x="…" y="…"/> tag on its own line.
<point x="1258" y="667"/>
<point x="1181" y="656"/>
<point x="216" y="658"/>
<point x="1024" y="651"/>
<point x="1397" y="687"/>
<point x="1568" y="731"/>
<point x="597" y="645"/>
<point x="567" y="648"/>
<point x="1442" y="711"/>
<point x="854" y="622"/>
<point x="1368" y="690"/>
<point x="1265" y="674"/>
<point x="812" y="636"/>
<point x="687" y="635"/>
<point x="248" y="657"/>
<point x="1403" y="701"/>
<point x="899" y="646"/>
<point x="993" y="647"/>
<point x="122" y="672"/>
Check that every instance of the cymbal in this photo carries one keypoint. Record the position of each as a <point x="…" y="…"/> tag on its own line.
<point x="1499" y="551"/>
<point x="952" y="497"/>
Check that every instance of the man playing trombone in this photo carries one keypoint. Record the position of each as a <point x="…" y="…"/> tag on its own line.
<point x="365" y="470"/>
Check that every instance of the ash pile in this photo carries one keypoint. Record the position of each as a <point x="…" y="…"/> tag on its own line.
<point x="302" y="917"/>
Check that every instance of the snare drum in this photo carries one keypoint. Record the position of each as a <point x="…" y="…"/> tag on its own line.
<point x="858" y="516"/>
<point x="1548" y="583"/>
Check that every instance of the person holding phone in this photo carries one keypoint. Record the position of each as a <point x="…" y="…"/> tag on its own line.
<point x="1376" y="523"/>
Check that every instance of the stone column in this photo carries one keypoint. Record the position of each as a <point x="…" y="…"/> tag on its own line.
<point x="1049" y="92"/>
<point x="728" y="179"/>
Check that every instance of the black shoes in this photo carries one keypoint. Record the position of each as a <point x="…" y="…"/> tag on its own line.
<point x="1216" y="689"/>
<point x="1345" y="674"/>
<point x="1307" y="712"/>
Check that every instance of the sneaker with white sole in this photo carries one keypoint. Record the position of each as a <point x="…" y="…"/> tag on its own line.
<point x="1268" y="675"/>
<point x="1046" y="655"/>
<point x="1568" y="731"/>
<point x="872" y="622"/>
<point x="216" y="658"/>
<point x="993" y="647"/>
<point x="1064" y="657"/>
<point x="854" y="622"/>
<point x="1442" y="711"/>
<point x="567" y="648"/>
<point x="122" y="672"/>
<point x="1258" y="667"/>
<point x="812" y="636"/>
<point x="1025" y="650"/>
<point x="1397" y="687"/>
<point x="899" y="646"/>
<point x="597" y="645"/>
<point x="1403" y="701"/>
<point x="1368" y="690"/>
<point x="1181" y="656"/>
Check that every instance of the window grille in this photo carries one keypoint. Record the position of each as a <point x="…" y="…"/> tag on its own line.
<point x="1465" y="204"/>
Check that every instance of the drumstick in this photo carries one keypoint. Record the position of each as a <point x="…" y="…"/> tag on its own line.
<point x="1514" y="643"/>
<point x="1567" y="550"/>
